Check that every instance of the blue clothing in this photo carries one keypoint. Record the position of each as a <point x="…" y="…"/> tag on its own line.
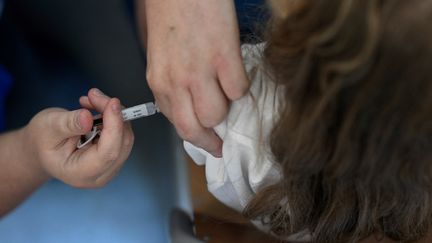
<point x="5" y="84"/>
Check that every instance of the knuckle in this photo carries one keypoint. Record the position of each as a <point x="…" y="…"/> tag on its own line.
<point x="71" y="123"/>
<point x="106" y="159"/>
<point x="161" y="81"/>
<point x="110" y="157"/>
<point x="185" y="130"/>
<point x="185" y="81"/>
<point x="191" y="79"/>
<point x="149" y="73"/>
<point x="212" y="113"/>
<point x="156" y="81"/>
<point x="151" y="79"/>
<point x="115" y="127"/>
<point x="49" y="116"/>
<point x="211" y="119"/>
<point x="55" y="119"/>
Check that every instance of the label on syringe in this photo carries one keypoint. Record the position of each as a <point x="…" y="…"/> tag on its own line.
<point x="135" y="112"/>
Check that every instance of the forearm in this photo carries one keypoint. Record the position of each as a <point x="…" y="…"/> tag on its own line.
<point x="19" y="174"/>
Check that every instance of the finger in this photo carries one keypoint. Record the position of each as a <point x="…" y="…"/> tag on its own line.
<point x="110" y="141"/>
<point x="128" y="135"/>
<point x="161" y="90"/>
<point x="127" y="142"/>
<point x="112" y="171"/>
<point x="188" y="126"/>
<point x="84" y="166"/>
<point x="232" y="75"/>
<point x="85" y="102"/>
<point x="98" y="99"/>
<point x="89" y="167"/>
<point x="210" y="103"/>
<point x="164" y="106"/>
<point x="68" y="124"/>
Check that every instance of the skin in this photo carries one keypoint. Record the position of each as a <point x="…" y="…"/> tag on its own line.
<point x="46" y="148"/>
<point x="194" y="64"/>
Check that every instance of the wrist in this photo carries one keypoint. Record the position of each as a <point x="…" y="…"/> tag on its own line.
<point x="28" y="156"/>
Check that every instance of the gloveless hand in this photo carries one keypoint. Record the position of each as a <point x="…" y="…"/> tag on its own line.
<point x="51" y="138"/>
<point x="194" y="64"/>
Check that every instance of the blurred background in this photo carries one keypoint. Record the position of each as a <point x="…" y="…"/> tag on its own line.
<point x="51" y="53"/>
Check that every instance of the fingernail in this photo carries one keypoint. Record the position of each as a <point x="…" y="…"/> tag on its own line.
<point x="115" y="107"/>
<point x="97" y="92"/>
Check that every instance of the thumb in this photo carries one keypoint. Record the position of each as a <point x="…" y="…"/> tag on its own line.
<point x="72" y="123"/>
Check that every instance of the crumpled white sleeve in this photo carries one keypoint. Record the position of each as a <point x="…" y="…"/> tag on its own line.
<point x="246" y="165"/>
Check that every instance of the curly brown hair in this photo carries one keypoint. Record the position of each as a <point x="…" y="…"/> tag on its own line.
<point x="354" y="133"/>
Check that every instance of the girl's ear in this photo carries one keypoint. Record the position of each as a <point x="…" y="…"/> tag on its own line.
<point x="283" y="8"/>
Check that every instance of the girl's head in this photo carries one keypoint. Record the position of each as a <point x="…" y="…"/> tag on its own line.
<point x="354" y="133"/>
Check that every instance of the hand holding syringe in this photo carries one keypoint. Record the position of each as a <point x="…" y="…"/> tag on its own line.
<point x="129" y="114"/>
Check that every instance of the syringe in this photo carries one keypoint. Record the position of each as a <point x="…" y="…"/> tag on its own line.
<point x="131" y="113"/>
